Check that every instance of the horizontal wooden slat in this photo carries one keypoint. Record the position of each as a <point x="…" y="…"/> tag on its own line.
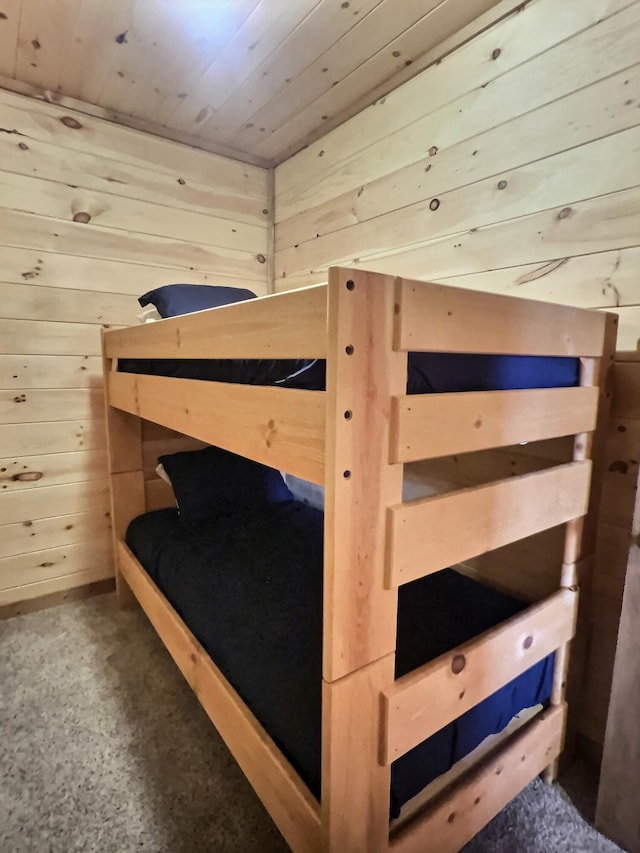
<point x="32" y="405"/>
<point x="41" y="120"/>
<point x="434" y="318"/>
<point x="55" y="532"/>
<point x="31" y="472"/>
<point x="32" y="302"/>
<point x="289" y="802"/>
<point x="24" y="569"/>
<point x="16" y="595"/>
<point x="281" y="427"/>
<point x="41" y="337"/>
<point x="431" y="425"/>
<point x="463" y="810"/>
<point x="291" y="325"/>
<point x="45" y="234"/>
<point x="33" y="439"/>
<point x="30" y="504"/>
<point x="62" y="201"/>
<point x="25" y="372"/>
<point x="51" y="269"/>
<point x="422" y="702"/>
<point x="94" y="172"/>
<point x="427" y="535"/>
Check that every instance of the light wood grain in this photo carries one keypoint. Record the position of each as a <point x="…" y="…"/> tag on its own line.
<point x="42" y="233"/>
<point x="34" y="472"/>
<point x="400" y="170"/>
<point x="31" y="302"/>
<point x="31" y="439"/>
<point x="455" y="818"/>
<point x="53" y="589"/>
<point x="422" y="702"/>
<point x="363" y="373"/>
<point x="441" y="319"/>
<point x="36" y="566"/>
<point x="59" y="531"/>
<point x="289" y="802"/>
<point x="283" y="326"/>
<point x="471" y="70"/>
<point x="61" y="201"/>
<point x="617" y="813"/>
<point x="495" y="515"/>
<point x="355" y="786"/>
<point x="425" y="426"/>
<point x="36" y="405"/>
<point x="30" y="504"/>
<point x="281" y="427"/>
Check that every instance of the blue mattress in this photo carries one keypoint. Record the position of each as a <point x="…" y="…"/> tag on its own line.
<point x="427" y="372"/>
<point x="250" y="589"/>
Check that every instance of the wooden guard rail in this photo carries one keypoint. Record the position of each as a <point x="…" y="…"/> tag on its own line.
<point x="471" y="521"/>
<point x="421" y="703"/>
<point x="283" y="428"/>
<point x="463" y="809"/>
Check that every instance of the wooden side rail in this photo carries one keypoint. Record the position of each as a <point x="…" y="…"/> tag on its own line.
<point x="426" y="426"/>
<point x="468" y="805"/>
<point x="429" y="534"/>
<point x="281" y="427"/>
<point x="438" y="318"/>
<point x="294" y="810"/>
<point x="284" y="325"/>
<point x="423" y="701"/>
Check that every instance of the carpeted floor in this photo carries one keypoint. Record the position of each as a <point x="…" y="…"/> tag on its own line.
<point x="103" y="748"/>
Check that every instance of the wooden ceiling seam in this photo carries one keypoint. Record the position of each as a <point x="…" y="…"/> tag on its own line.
<point x="254" y="80"/>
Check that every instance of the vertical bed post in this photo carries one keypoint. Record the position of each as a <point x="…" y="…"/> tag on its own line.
<point x="126" y="478"/>
<point x="363" y="373"/>
<point x="579" y="546"/>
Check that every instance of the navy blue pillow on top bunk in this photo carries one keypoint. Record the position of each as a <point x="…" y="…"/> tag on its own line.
<point x="173" y="300"/>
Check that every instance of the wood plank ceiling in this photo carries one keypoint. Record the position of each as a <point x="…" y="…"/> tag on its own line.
<point x="261" y="78"/>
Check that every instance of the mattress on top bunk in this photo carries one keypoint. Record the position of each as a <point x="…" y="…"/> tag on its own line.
<point x="427" y="372"/>
<point x="250" y="588"/>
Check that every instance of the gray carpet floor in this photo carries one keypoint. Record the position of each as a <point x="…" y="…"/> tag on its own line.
<point x="104" y="748"/>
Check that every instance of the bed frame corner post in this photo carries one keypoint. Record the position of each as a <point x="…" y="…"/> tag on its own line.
<point x="359" y="623"/>
<point x="580" y="544"/>
<point x="126" y="477"/>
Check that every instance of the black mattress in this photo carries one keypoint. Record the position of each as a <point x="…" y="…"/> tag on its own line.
<point x="250" y="588"/>
<point x="427" y="372"/>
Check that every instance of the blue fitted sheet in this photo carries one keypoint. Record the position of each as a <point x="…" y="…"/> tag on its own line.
<point x="427" y="372"/>
<point x="250" y="589"/>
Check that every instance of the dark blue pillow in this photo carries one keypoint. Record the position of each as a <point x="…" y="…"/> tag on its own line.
<point x="213" y="481"/>
<point x="175" y="299"/>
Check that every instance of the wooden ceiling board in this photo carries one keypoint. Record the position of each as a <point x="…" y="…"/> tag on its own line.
<point x="327" y="23"/>
<point x="258" y="78"/>
<point x="252" y="45"/>
<point x="369" y="37"/>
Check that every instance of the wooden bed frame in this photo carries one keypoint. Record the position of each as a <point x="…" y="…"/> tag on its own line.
<point x="354" y="438"/>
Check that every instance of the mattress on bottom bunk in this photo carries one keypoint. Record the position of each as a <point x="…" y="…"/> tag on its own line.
<point x="427" y="372"/>
<point x="250" y="589"/>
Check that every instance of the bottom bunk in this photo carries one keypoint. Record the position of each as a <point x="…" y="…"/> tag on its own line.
<point x="249" y="586"/>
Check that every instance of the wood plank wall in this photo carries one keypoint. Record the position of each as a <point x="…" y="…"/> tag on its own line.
<point x="91" y="216"/>
<point x="513" y="165"/>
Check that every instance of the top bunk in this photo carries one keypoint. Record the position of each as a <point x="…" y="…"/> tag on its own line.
<point x="366" y="327"/>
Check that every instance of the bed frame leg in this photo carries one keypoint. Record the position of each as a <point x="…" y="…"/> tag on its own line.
<point x="355" y="784"/>
<point x="126" y="476"/>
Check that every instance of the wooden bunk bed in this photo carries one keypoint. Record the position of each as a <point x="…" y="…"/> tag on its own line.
<point x="355" y="438"/>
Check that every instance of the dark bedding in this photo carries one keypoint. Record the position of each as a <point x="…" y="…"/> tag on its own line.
<point x="427" y="372"/>
<point x="249" y="586"/>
